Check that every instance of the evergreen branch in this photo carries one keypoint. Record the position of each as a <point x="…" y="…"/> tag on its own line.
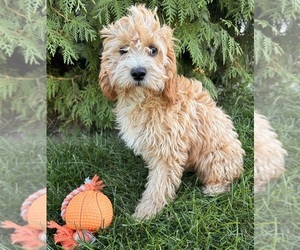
<point x="57" y="12"/>
<point x="19" y="14"/>
<point x="67" y="6"/>
<point x="81" y="30"/>
<point x="265" y="47"/>
<point x="31" y="7"/>
<point x="81" y="5"/>
<point x="38" y="79"/>
<point x="102" y="11"/>
<point x="64" y="78"/>
<point x="264" y="24"/>
<point x="170" y="8"/>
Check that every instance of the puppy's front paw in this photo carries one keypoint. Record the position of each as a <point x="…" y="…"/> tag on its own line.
<point x="139" y="216"/>
<point x="143" y="214"/>
<point x="147" y="210"/>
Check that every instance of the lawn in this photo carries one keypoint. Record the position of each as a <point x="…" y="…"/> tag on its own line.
<point x="192" y="221"/>
<point x="277" y="211"/>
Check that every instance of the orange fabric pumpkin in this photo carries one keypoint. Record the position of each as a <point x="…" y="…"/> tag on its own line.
<point x="36" y="214"/>
<point x="85" y="210"/>
<point x="33" y="234"/>
<point x="89" y="210"/>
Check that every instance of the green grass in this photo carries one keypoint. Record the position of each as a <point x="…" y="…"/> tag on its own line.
<point x="192" y="221"/>
<point x="277" y="211"/>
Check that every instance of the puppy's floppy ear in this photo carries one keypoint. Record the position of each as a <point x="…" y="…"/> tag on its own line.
<point x="107" y="90"/>
<point x="170" y="89"/>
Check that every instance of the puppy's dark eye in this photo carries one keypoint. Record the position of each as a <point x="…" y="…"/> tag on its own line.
<point x="153" y="50"/>
<point x="123" y="51"/>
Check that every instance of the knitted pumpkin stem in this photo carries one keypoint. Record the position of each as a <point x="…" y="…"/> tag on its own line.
<point x="94" y="184"/>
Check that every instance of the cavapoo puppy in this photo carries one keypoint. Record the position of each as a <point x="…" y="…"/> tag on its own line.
<point x="168" y="119"/>
<point x="268" y="153"/>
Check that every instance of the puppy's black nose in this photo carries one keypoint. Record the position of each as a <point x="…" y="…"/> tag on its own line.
<point x="138" y="73"/>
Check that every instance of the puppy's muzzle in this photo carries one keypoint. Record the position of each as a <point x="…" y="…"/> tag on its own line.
<point x="138" y="73"/>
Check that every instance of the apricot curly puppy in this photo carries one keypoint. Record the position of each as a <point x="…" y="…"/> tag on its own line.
<point x="268" y="153"/>
<point x="168" y="119"/>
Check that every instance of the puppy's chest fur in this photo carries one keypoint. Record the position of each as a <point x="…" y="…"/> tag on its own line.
<point x="148" y="125"/>
<point x="131" y="124"/>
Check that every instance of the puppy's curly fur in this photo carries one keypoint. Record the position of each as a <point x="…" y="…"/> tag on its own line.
<point x="168" y="119"/>
<point x="268" y="153"/>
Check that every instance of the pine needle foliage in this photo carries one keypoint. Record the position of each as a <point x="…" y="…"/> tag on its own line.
<point x="22" y="62"/>
<point x="277" y="50"/>
<point x="22" y="27"/>
<point x="214" y="45"/>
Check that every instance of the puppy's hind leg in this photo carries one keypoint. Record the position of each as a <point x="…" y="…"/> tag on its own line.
<point x="218" y="170"/>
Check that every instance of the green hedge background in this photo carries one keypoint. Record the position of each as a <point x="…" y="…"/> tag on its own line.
<point x="215" y="46"/>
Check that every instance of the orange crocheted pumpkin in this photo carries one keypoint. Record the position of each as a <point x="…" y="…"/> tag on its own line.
<point x="33" y="210"/>
<point x="36" y="215"/>
<point x="85" y="210"/>
<point x="89" y="210"/>
<point x="33" y="234"/>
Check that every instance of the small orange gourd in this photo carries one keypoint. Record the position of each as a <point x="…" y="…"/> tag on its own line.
<point x="35" y="214"/>
<point x="85" y="210"/>
<point x="89" y="210"/>
<point x="33" y="234"/>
